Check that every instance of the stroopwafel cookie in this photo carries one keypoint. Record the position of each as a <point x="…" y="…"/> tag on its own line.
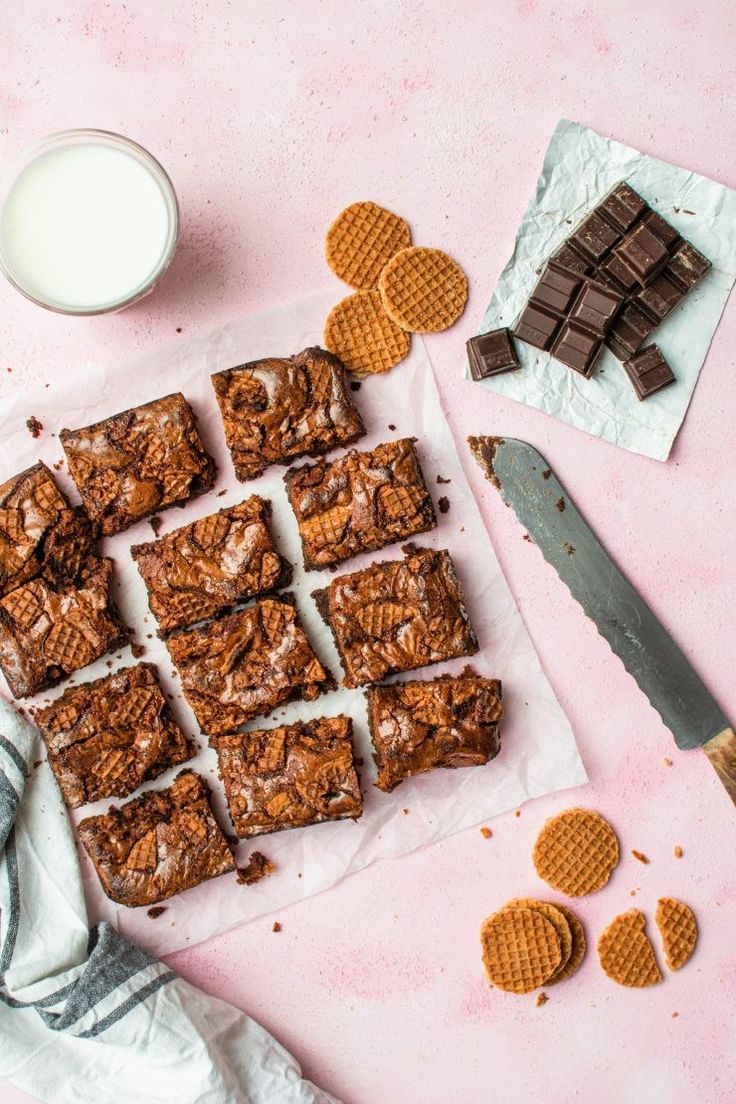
<point x="576" y="852"/>
<point x="679" y="930"/>
<point x="626" y="954"/>
<point x="361" y="241"/>
<point x="362" y="335"/>
<point x="521" y="949"/>
<point x="557" y="920"/>
<point x="423" y="290"/>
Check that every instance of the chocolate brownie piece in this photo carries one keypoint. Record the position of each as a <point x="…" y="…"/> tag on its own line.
<point x="158" y="844"/>
<point x="105" y="738"/>
<point x="49" y="631"/>
<point x="276" y="409"/>
<point x="40" y="533"/>
<point x="450" y="721"/>
<point x="361" y="502"/>
<point x="218" y="561"/>
<point x="290" y="776"/>
<point x="136" y="463"/>
<point x="246" y="664"/>
<point x="397" y="616"/>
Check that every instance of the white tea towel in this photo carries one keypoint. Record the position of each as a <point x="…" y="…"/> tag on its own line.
<point x="85" y="1016"/>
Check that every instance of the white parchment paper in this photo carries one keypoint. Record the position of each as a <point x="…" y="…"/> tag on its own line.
<point x="579" y="167"/>
<point x="538" y="748"/>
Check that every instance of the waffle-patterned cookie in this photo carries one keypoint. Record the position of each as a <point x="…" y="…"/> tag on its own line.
<point x="577" y="931"/>
<point x="361" y="240"/>
<point x="576" y="852"/>
<point x="557" y="920"/>
<point x="679" y="930"/>
<point x="362" y="335"/>
<point x="626" y="954"/>
<point x="521" y="949"/>
<point x="423" y="290"/>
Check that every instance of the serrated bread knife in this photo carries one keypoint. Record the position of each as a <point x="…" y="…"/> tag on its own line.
<point x="647" y="651"/>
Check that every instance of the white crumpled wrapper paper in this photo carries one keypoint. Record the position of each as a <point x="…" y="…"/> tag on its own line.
<point x="538" y="753"/>
<point x="579" y="168"/>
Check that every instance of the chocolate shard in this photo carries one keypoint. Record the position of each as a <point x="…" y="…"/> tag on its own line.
<point x="648" y="371"/>
<point x="492" y="353"/>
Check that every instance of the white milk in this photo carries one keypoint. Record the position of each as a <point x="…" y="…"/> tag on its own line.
<point x="86" y="227"/>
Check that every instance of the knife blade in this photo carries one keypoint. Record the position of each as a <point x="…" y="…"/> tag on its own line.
<point x="528" y="484"/>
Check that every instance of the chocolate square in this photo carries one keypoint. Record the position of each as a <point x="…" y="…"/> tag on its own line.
<point x="629" y="331"/>
<point x="616" y="270"/>
<point x="594" y="237"/>
<point x="596" y="307"/>
<point x="577" y="348"/>
<point x="622" y="207"/>
<point x="643" y="252"/>
<point x="290" y="776"/>
<point x="491" y="353"/>
<point x="648" y="371"/>
<point x="687" y="266"/>
<point x="556" y="289"/>
<point x="568" y="257"/>
<point x="664" y="230"/>
<point x="536" y="326"/>
<point x="660" y="297"/>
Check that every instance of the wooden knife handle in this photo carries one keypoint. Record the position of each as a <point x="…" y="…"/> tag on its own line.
<point x="721" y="750"/>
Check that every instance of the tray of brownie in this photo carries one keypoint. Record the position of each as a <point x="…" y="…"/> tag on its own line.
<point x="245" y="593"/>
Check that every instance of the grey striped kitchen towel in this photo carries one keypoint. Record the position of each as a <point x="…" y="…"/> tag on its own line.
<point x="85" y="1016"/>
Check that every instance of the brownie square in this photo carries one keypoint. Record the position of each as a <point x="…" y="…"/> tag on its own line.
<point x="133" y="464"/>
<point x="40" y="533"/>
<point x="217" y="561"/>
<point x="246" y="664"/>
<point x="158" y="844"/>
<point x="397" y="616"/>
<point x="49" y="631"/>
<point x="361" y="502"/>
<point x="450" y="721"/>
<point x="105" y="738"/>
<point x="276" y="409"/>
<point x="290" y="776"/>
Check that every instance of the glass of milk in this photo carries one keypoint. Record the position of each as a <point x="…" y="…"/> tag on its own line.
<point x="88" y="222"/>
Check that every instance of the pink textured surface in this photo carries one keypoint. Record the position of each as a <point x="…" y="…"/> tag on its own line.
<point x="270" y="118"/>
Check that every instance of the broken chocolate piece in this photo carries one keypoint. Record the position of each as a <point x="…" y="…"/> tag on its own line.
<point x="491" y="353"/>
<point x="648" y="371"/>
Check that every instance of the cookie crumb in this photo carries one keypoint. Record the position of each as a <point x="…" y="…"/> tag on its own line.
<point x="560" y="504"/>
<point x="257" y="867"/>
<point x="675" y="1015"/>
<point x="405" y="812"/>
<point x="640" y="856"/>
<point x="486" y="833"/>
<point x="441" y="479"/>
<point x="35" y="427"/>
<point x="667" y="762"/>
<point x="156" y="911"/>
<point x="677" y="852"/>
<point x="443" y="504"/>
<point x="542" y="998"/>
<point x="221" y="493"/>
<point x="517" y="812"/>
<point x="178" y="329"/>
<point x="276" y="926"/>
<point x="569" y="548"/>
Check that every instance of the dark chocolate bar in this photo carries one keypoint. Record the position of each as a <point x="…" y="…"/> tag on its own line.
<point x="491" y="353"/>
<point x="648" y="371"/>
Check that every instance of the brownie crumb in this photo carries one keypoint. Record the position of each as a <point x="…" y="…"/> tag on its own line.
<point x="640" y="856"/>
<point x="37" y="763"/>
<point x="221" y="493"/>
<point x="178" y="329"/>
<point x="486" y="833"/>
<point x="546" y="473"/>
<point x="569" y="548"/>
<point x="405" y="812"/>
<point x="677" y="852"/>
<point x="542" y="998"/>
<point x="443" y="504"/>
<point x="675" y="1015"/>
<point x="560" y="504"/>
<point x="9" y="369"/>
<point x="276" y="926"/>
<point x="35" y="427"/>
<point x="359" y="761"/>
<point x="526" y="537"/>
<point x="355" y="385"/>
<point x="441" y="479"/>
<point x="156" y="522"/>
<point x="257" y="867"/>
<point x="391" y="426"/>
<point x="156" y="911"/>
<point x="517" y="812"/>
<point x="137" y="649"/>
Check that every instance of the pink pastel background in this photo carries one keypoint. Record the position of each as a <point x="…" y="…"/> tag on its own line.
<point x="270" y="118"/>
